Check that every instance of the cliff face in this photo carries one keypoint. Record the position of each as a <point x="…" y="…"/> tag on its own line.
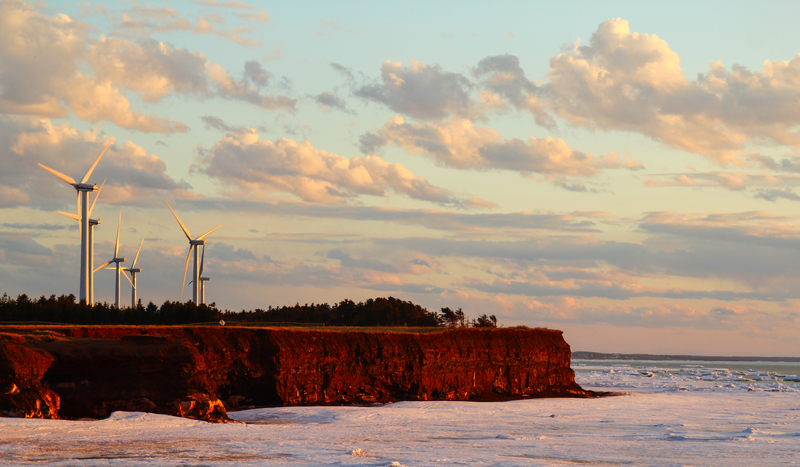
<point x="92" y="371"/>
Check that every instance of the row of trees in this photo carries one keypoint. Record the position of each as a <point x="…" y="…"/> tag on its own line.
<point x="373" y="312"/>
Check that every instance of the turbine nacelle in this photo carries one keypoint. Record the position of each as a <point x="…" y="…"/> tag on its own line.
<point x="197" y="242"/>
<point x="119" y="260"/>
<point x="85" y="187"/>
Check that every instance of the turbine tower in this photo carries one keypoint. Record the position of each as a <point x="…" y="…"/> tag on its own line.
<point x="92" y="224"/>
<point x="116" y="260"/>
<point x="203" y="279"/>
<point x="193" y="244"/>
<point x="133" y="270"/>
<point x="83" y="189"/>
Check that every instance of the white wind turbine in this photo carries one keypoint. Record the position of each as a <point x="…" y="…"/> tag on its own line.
<point x="193" y="244"/>
<point x="83" y="189"/>
<point x="133" y="270"/>
<point x="92" y="224"/>
<point x="116" y="259"/>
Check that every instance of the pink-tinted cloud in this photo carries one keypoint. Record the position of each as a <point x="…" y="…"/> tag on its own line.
<point x="135" y="177"/>
<point x="631" y="81"/>
<point x="461" y="144"/>
<point x="262" y="166"/>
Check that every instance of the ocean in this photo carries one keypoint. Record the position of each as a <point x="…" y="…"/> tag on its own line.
<point x="668" y="413"/>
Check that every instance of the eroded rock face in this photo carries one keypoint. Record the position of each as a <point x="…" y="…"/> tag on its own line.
<point x="188" y="371"/>
<point x="21" y="392"/>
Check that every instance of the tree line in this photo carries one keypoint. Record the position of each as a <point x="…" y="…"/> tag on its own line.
<point x="373" y="312"/>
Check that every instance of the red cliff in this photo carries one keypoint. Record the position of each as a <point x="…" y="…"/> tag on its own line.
<point x="77" y="372"/>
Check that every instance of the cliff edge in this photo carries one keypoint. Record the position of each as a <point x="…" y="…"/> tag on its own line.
<point x="200" y="372"/>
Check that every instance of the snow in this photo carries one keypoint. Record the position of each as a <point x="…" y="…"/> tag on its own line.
<point x="679" y="415"/>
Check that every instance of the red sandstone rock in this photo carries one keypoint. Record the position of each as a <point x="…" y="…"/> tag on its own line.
<point x="186" y="371"/>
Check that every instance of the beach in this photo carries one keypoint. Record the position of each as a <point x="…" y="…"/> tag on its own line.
<point x="668" y="413"/>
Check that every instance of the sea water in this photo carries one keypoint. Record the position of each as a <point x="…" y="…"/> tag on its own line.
<point x="670" y="413"/>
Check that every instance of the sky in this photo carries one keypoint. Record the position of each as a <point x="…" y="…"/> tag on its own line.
<point x="626" y="172"/>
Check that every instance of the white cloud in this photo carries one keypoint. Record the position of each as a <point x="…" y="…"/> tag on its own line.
<point x="263" y="166"/>
<point x="634" y="82"/>
<point x="461" y="144"/>
<point x="134" y="176"/>
<point x="49" y="67"/>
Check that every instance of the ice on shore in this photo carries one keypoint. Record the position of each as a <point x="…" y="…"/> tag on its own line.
<point x="669" y="416"/>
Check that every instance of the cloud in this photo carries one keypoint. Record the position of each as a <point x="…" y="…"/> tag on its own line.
<point x="728" y="257"/>
<point x="331" y="24"/>
<point x="633" y="82"/>
<point x="135" y="177"/>
<point x="614" y="291"/>
<point x="223" y="4"/>
<point x="731" y="180"/>
<point x="425" y="92"/>
<point x="503" y="225"/>
<point x="151" y="68"/>
<point x="344" y="71"/>
<point x="313" y="175"/>
<point x="327" y="100"/>
<point x="504" y="79"/>
<point x="17" y="225"/>
<point x="363" y="263"/>
<point x="224" y="252"/>
<point x="787" y="164"/>
<point x="461" y="144"/>
<point x="66" y="72"/>
<point x="216" y="123"/>
<point x="742" y="317"/>
<point x="774" y="194"/>
<point x="43" y="77"/>
<point x="249" y="88"/>
<point x="143" y="20"/>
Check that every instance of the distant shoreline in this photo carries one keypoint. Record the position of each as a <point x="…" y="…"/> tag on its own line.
<point x="582" y="355"/>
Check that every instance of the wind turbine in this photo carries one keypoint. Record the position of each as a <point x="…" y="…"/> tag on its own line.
<point x="193" y="244"/>
<point x="133" y="270"/>
<point x="92" y="224"/>
<point x="83" y="206"/>
<point x="116" y="259"/>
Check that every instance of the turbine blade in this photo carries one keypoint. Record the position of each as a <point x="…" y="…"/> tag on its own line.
<point x="186" y="268"/>
<point x="137" y="254"/>
<point x="58" y="174"/>
<point x="202" y="260"/>
<point x="185" y="230"/>
<point x="126" y="277"/>
<point x="116" y="244"/>
<point x="71" y="216"/>
<point x="91" y="208"/>
<point x="91" y="169"/>
<point x="101" y="267"/>
<point x="207" y="233"/>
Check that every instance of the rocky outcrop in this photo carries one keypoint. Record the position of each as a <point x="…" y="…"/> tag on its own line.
<point x="77" y="372"/>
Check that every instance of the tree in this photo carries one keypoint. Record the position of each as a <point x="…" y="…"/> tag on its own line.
<point x="484" y="321"/>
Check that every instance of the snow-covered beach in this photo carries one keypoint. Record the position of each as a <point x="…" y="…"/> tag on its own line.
<point x="672" y="413"/>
